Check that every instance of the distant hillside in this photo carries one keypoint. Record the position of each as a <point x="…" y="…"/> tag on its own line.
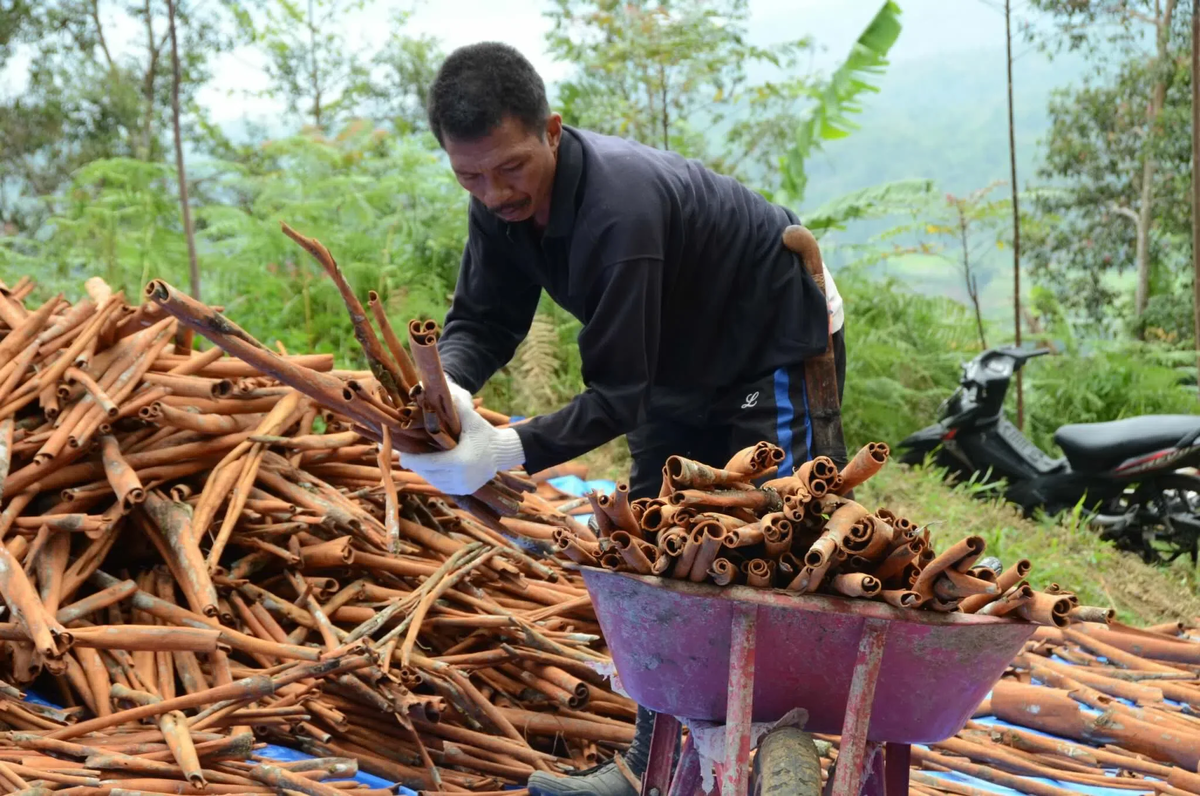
<point x="945" y="118"/>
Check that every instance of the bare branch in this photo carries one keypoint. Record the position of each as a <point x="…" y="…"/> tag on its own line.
<point x="1133" y="13"/>
<point x="193" y="265"/>
<point x="100" y="35"/>
<point x="1121" y="210"/>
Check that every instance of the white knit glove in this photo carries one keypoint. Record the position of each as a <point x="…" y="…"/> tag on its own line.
<point x="482" y="451"/>
<point x="837" y="316"/>
<point x="459" y="394"/>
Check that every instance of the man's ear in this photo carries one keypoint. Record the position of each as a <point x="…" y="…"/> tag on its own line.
<point x="554" y="130"/>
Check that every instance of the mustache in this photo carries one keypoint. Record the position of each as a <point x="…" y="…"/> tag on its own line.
<point x="510" y="207"/>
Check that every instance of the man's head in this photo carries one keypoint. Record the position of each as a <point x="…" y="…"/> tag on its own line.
<point x="488" y="110"/>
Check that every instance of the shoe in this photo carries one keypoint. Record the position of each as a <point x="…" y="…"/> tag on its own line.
<point x="992" y="563"/>
<point x="605" y="779"/>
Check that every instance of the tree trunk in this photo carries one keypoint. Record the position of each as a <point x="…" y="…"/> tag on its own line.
<point x="112" y="67"/>
<point x="193" y="265"/>
<point x="1142" y="249"/>
<point x="1196" y="182"/>
<point x="314" y="74"/>
<point x="972" y="282"/>
<point x="147" y="144"/>
<point x="1149" y="165"/>
<point x="1012" y="162"/>
<point x="666" y="113"/>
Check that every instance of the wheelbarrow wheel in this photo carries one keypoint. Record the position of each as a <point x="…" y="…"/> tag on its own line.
<point x="787" y="764"/>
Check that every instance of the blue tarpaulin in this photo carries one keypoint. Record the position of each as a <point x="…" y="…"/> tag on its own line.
<point x="574" y="485"/>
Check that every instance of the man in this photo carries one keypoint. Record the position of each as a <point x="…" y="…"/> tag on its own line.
<point x="696" y="320"/>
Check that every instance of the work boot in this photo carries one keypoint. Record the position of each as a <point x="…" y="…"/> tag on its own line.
<point x="992" y="563"/>
<point x="605" y="779"/>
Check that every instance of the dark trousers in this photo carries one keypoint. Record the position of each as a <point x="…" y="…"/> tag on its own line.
<point x="772" y="407"/>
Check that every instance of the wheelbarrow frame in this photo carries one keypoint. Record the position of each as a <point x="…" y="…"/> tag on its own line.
<point x="980" y="666"/>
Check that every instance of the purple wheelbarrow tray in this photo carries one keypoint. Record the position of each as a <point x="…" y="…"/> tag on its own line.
<point x="860" y="668"/>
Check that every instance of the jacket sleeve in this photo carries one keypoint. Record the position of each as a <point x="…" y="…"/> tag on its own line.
<point x="493" y="306"/>
<point x="619" y="349"/>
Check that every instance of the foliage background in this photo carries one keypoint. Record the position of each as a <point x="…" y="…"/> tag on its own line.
<point x="874" y="156"/>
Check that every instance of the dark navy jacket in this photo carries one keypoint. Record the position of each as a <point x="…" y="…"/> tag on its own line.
<point x="677" y="273"/>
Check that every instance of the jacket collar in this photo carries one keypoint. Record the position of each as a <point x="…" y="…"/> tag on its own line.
<point x="568" y="181"/>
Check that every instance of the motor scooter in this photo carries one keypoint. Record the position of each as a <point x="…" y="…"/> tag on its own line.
<point x="1134" y="476"/>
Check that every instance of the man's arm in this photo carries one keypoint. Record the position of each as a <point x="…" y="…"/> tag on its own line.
<point x="619" y="346"/>
<point x="494" y="303"/>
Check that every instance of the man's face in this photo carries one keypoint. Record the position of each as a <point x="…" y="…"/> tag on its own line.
<point x="510" y="170"/>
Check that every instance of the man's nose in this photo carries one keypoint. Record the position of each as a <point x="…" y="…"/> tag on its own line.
<point x="497" y="193"/>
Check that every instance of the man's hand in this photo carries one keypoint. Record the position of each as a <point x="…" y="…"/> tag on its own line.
<point x="482" y="451"/>
<point x="459" y="394"/>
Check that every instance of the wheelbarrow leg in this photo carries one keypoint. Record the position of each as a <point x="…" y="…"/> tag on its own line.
<point x="739" y="706"/>
<point x="662" y="751"/>
<point x="897" y="757"/>
<point x="687" y="775"/>
<point x="848" y="778"/>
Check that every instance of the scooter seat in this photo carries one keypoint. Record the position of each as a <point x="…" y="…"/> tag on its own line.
<point x="1093" y="447"/>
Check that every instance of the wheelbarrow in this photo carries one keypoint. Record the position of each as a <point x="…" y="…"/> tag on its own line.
<point x="871" y="672"/>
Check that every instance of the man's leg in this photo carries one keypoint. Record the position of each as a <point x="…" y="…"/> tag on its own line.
<point x="651" y="445"/>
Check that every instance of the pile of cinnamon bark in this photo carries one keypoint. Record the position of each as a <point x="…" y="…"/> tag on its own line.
<point x="738" y="524"/>
<point x="1097" y="706"/>
<point x="201" y="552"/>
<point x="196" y="556"/>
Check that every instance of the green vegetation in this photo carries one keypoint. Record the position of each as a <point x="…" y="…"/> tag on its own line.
<point x="1064" y="551"/>
<point x="384" y="204"/>
<point x="904" y="351"/>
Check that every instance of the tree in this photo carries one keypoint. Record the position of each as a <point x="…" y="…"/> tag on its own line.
<point x="86" y="99"/>
<point x="401" y="74"/>
<point x="1016" y="208"/>
<point x="1106" y="26"/>
<point x="310" y="63"/>
<point x="1196" y="183"/>
<point x="181" y="172"/>
<point x="1091" y="226"/>
<point x="828" y="118"/>
<point x="959" y="230"/>
<point x="963" y="218"/>
<point x="669" y="72"/>
<point x="385" y="204"/>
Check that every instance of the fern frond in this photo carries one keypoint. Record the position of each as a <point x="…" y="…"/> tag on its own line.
<point x="537" y="365"/>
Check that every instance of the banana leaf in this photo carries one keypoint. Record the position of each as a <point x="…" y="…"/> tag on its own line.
<point x="837" y="99"/>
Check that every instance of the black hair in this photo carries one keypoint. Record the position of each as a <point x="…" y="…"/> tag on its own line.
<point x="480" y="84"/>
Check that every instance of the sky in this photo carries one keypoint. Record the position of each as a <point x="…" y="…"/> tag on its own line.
<point x="235" y="95"/>
<point x="931" y="27"/>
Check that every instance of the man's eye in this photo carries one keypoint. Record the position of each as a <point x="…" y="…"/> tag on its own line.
<point x="510" y="168"/>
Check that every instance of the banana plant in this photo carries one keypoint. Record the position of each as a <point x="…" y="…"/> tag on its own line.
<point x="834" y="102"/>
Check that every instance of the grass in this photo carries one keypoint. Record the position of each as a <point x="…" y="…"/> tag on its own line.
<point x="611" y="460"/>
<point x="1063" y="549"/>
